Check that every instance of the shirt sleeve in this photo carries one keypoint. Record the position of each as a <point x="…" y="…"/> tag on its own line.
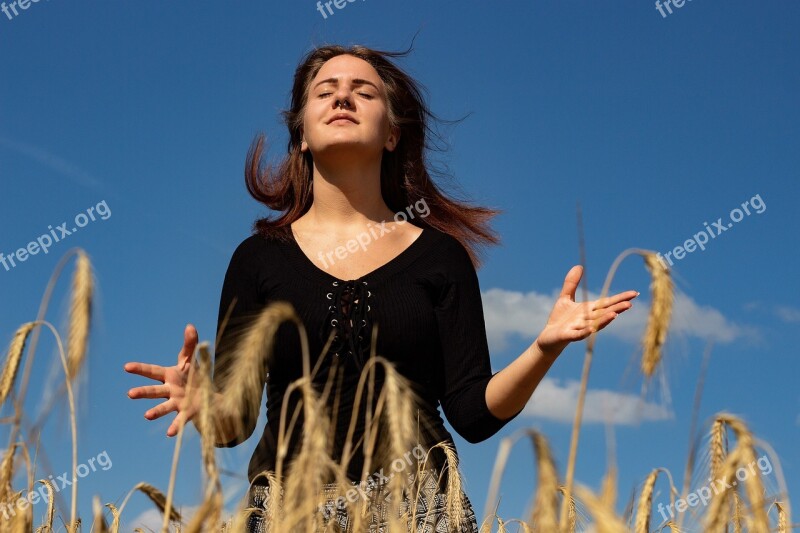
<point x="465" y="350"/>
<point x="241" y="293"/>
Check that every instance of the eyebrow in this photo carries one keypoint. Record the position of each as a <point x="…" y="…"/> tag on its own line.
<point x="356" y="81"/>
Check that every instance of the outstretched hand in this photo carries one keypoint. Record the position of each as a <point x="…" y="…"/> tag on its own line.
<point x="174" y="381"/>
<point x="573" y="321"/>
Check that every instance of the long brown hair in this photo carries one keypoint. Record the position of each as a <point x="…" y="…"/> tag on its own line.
<point x="405" y="172"/>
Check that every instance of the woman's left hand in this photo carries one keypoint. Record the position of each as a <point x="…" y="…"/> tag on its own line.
<point x="572" y="321"/>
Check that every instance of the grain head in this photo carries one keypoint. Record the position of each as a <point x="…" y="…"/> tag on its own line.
<point x="661" y="292"/>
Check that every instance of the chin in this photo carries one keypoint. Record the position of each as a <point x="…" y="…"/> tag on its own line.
<point x="341" y="146"/>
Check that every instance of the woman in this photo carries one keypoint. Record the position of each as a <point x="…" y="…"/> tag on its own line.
<point x="353" y="249"/>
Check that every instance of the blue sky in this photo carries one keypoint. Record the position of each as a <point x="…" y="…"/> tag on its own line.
<point x="655" y="125"/>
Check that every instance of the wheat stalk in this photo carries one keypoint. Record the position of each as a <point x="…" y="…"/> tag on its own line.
<point x="655" y="334"/>
<point x="545" y="509"/>
<point x="400" y="406"/>
<point x="645" y="508"/>
<point x="154" y="495"/>
<point x="781" y="518"/>
<point x="311" y="464"/>
<point x="48" y="521"/>
<point x="21" y="522"/>
<point x="605" y="520"/>
<point x="661" y="291"/>
<point x="211" y="509"/>
<point x="80" y="314"/>
<point x="242" y="384"/>
<point x="11" y="365"/>
<point x="740" y="457"/>
<point x="115" y="520"/>
<point x="572" y="513"/>
<point x="99" y="525"/>
<point x="717" y="446"/>
<point x="7" y="473"/>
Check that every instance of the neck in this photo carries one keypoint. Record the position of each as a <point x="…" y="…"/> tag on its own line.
<point x="347" y="194"/>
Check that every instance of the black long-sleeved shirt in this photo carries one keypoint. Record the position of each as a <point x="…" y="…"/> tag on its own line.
<point x="426" y="303"/>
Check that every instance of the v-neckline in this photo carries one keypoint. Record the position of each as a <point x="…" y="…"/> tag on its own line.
<point x="394" y="264"/>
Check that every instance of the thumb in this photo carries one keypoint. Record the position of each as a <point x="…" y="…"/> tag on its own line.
<point x="189" y="344"/>
<point x="571" y="282"/>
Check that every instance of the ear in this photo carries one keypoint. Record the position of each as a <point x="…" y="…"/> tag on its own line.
<point x="394" y="138"/>
<point x="303" y="143"/>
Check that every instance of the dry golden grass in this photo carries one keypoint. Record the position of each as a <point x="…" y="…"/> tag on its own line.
<point x="572" y="513"/>
<point x="645" y="504"/>
<point x="48" y="521"/>
<point x="744" y="454"/>
<point x="654" y="338"/>
<point x="80" y="314"/>
<point x="545" y="508"/>
<point x="655" y="335"/>
<point x="99" y="525"/>
<point x="115" y="517"/>
<point x="782" y="520"/>
<point x="156" y="496"/>
<point x="13" y="358"/>
<point x="605" y="519"/>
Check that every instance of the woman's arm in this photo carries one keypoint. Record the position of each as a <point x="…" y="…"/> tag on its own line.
<point x="511" y="388"/>
<point x="241" y="300"/>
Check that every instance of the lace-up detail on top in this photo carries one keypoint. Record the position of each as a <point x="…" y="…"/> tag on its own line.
<point x="349" y="315"/>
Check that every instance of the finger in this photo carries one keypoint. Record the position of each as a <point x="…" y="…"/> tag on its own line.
<point x="147" y="370"/>
<point x="598" y="324"/>
<point x="621" y="307"/>
<point x="189" y="345"/>
<point x="611" y="300"/>
<point x="149" y="391"/>
<point x="571" y="282"/>
<point x="588" y="318"/>
<point x="160" y="410"/>
<point x="179" y="421"/>
<point x="185" y="414"/>
<point x="604" y="321"/>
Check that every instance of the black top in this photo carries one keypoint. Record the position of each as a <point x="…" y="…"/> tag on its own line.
<point x="426" y="303"/>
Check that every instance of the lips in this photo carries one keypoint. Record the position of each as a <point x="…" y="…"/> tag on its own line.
<point x="340" y="116"/>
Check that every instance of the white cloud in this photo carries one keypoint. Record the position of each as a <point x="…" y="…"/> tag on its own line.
<point x="513" y="313"/>
<point x="788" y="314"/>
<point x="149" y="520"/>
<point x="553" y="401"/>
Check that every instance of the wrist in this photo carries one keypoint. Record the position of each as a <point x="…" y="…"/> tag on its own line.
<point x="550" y="353"/>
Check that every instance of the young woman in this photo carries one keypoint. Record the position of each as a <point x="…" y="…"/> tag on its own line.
<point x="365" y="238"/>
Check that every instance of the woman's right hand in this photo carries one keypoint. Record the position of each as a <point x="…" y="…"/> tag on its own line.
<point x="174" y="381"/>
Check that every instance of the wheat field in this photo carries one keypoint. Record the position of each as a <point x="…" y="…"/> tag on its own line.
<point x="560" y="504"/>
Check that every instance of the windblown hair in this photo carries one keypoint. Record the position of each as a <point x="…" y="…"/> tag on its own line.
<point x="405" y="171"/>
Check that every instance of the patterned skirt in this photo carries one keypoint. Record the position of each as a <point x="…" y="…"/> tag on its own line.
<point x="430" y="515"/>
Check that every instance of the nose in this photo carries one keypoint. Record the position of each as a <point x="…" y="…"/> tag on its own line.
<point x="342" y="98"/>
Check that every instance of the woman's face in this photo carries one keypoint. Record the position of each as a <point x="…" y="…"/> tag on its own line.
<point x="356" y="85"/>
